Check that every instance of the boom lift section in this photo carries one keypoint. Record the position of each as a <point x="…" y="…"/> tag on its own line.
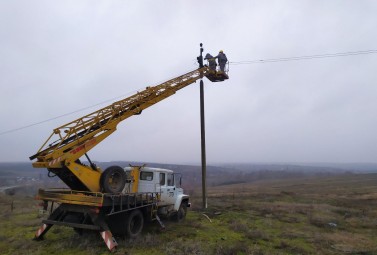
<point x="61" y="152"/>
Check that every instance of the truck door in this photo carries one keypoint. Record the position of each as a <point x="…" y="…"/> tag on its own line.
<point x="146" y="182"/>
<point x="168" y="190"/>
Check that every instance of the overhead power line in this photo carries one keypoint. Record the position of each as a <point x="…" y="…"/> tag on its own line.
<point x="57" y="117"/>
<point x="330" y="55"/>
<point x="247" y="62"/>
<point x="66" y="114"/>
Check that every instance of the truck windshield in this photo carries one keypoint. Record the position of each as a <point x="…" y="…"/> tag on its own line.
<point x="170" y="180"/>
<point x="162" y="179"/>
<point x="178" y="178"/>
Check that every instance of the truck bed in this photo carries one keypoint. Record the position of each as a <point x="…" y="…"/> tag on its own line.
<point x="118" y="202"/>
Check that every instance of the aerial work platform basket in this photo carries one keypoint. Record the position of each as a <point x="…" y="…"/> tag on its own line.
<point x="217" y="76"/>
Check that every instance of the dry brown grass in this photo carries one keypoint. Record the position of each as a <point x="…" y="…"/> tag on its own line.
<point x="274" y="217"/>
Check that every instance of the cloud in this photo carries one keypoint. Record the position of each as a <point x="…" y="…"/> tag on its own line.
<point x="59" y="57"/>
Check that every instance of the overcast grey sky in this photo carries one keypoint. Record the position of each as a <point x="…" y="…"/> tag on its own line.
<point x="60" y="56"/>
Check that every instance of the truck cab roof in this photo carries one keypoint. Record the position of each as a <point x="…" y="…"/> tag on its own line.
<point x="150" y="169"/>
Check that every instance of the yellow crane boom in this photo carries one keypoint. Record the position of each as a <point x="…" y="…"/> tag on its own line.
<point x="61" y="152"/>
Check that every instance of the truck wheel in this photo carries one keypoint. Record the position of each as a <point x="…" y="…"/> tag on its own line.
<point x="113" y="179"/>
<point x="181" y="213"/>
<point x="134" y="223"/>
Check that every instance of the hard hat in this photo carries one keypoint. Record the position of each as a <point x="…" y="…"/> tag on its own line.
<point x="221" y="51"/>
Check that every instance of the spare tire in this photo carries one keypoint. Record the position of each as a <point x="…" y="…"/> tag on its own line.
<point x="113" y="180"/>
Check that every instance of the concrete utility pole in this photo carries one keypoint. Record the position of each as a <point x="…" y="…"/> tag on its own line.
<point x="203" y="133"/>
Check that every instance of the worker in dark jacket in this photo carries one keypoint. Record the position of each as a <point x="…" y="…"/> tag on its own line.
<point x="222" y="59"/>
<point x="211" y="62"/>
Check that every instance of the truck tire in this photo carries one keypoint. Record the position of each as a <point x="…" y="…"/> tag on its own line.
<point x="134" y="223"/>
<point x="113" y="180"/>
<point x="181" y="213"/>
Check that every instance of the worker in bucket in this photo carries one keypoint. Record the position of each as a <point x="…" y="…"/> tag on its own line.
<point x="211" y="62"/>
<point x="222" y="59"/>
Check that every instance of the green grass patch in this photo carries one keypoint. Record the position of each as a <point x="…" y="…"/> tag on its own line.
<point x="336" y="215"/>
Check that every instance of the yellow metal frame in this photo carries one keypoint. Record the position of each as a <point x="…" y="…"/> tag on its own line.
<point x="71" y="197"/>
<point x="135" y="174"/>
<point x="74" y="139"/>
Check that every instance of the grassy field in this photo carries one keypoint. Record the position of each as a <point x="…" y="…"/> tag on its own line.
<point x="336" y="215"/>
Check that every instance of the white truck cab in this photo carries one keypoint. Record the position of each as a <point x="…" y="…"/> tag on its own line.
<point x="172" y="202"/>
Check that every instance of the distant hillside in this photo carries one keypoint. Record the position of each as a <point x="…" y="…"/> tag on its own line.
<point x="17" y="169"/>
<point x="306" y="167"/>
<point x="241" y="173"/>
<point x="221" y="174"/>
